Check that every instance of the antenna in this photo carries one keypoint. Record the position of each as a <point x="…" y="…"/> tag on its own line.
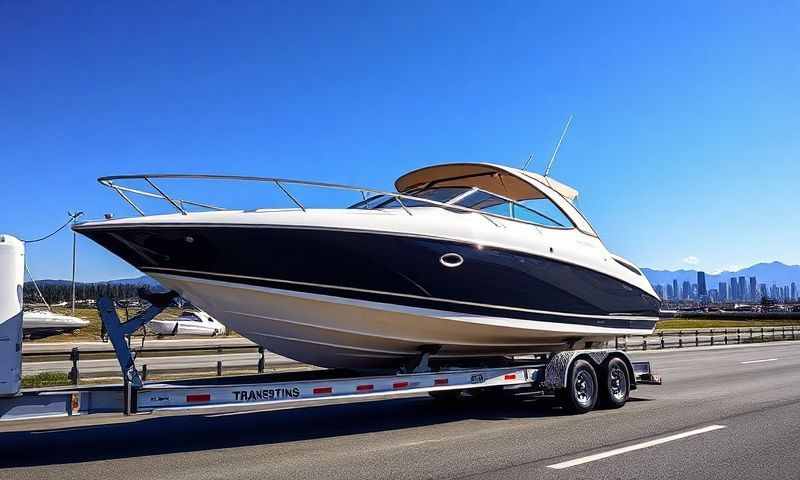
<point x="555" y="152"/>
<point x="527" y="162"/>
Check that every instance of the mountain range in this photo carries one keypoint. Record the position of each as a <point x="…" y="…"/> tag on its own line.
<point x="769" y="273"/>
<point x="143" y="281"/>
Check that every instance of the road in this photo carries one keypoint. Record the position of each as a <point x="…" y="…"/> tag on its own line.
<point x="716" y="416"/>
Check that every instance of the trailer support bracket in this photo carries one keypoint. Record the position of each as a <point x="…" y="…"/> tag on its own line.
<point x="118" y="331"/>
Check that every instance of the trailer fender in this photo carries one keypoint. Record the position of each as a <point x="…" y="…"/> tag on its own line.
<point x="557" y="369"/>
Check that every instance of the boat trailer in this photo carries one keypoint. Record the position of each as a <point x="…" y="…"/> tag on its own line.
<point x="540" y="376"/>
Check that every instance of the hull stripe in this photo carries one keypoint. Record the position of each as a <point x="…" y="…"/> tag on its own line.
<point x="404" y="295"/>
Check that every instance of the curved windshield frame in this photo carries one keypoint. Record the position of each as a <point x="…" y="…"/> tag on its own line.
<point x="436" y="194"/>
<point x="545" y="213"/>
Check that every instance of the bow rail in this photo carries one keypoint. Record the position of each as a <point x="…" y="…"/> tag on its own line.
<point x="179" y="204"/>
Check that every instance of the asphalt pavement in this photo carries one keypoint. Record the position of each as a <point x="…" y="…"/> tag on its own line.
<point x="721" y="413"/>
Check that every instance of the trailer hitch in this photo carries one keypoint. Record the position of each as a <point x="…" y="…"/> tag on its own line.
<point x="118" y="332"/>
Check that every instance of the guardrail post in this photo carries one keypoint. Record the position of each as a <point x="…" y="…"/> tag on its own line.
<point x="625" y="346"/>
<point x="793" y="332"/>
<point x="783" y="332"/>
<point x="644" y="343"/>
<point x="260" y="359"/>
<point x="219" y="368"/>
<point x="697" y="338"/>
<point x="144" y="372"/>
<point x="712" y="336"/>
<point x="616" y="343"/>
<point x="738" y="335"/>
<point x="725" y="338"/>
<point x="680" y="338"/>
<point x="751" y="334"/>
<point x="762" y="335"/>
<point x="75" y="374"/>
<point x="661" y="334"/>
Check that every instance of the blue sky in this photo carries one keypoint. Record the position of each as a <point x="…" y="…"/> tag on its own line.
<point x="684" y="144"/>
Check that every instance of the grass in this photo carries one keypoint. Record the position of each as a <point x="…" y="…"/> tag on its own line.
<point x="45" y="379"/>
<point x="689" y="324"/>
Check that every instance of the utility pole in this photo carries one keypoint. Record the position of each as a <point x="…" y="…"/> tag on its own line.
<point x="74" y="254"/>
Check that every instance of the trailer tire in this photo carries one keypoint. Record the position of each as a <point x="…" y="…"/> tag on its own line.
<point x="446" y="395"/>
<point x="580" y="395"/>
<point x="615" y="383"/>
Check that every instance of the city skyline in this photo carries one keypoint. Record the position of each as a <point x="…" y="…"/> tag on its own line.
<point x="736" y="289"/>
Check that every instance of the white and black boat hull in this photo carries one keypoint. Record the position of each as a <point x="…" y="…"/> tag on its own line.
<point x="374" y="299"/>
<point x="340" y="332"/>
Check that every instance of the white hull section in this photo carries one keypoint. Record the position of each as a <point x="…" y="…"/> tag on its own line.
<point x="167" y="327"/>
<point x="338" y="332"/>
<point x="43" y="320"/>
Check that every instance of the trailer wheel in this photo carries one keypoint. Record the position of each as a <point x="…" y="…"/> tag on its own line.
<point x="615" y="384"/>
<point x="446" y="395"/>
<point x="580" y="396"/>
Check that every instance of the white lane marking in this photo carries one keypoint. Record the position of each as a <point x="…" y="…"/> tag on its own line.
<point x="631" y="448"/>
<point x="759" y="361"/>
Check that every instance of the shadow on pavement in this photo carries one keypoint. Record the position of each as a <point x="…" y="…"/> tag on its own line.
<point x="155" y="435"/>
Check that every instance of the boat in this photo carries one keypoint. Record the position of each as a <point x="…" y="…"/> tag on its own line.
<point x="463" y="262"/>
<point x="44" y="323"/>
<point x="190" y="322"/>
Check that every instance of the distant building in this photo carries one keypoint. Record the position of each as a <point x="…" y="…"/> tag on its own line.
<point x="701" y="284"/>
<point x="670" y="292"/>
<point x="686" y="290"/>
<point x="723" y="291"/>
<point x="763" y="289"/>
<point x="753" y="293"/>
<point x="742" y="289"/>
<point x="734" y="293"/>
<point x="794" y="291"/>
<point x="675" y="289"/>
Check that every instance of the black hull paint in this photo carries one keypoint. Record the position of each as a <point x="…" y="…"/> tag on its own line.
<point x="387" y="268"/>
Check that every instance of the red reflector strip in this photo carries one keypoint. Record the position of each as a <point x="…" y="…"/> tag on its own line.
<point x="400" y="385"/>
<point x="323" y="390"/>
<point x="511" y="376"/>
<point x="203" y="397"/>
<point x="364" y="388"/>
<point x="440" y="381"/>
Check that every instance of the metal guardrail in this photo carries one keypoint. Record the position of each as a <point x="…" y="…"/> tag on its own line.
<point x="76" y="355"/>
<point x="686" y="338"/>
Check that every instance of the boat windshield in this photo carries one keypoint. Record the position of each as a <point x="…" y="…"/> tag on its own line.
<point x="540" y="211"/>
<point x="440" y="194"/>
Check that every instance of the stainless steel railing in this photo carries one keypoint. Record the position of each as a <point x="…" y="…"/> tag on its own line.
<point x="113" y="182"/>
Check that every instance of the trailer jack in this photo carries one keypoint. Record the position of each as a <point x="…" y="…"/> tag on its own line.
<point x="118" y="332"/>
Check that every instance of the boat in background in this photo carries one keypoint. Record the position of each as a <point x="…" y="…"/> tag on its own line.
<point x="465" y="262"/>
<point x="190" y="322"/>
<point x="44" y="323"/>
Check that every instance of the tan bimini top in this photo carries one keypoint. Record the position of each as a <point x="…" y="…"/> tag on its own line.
<point x="506" y="181"/>
<point x="509" y="182"/>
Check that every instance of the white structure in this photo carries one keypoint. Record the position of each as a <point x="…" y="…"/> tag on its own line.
<point x="43" y="323"/>
<point x="12" y="268"/>
<point x="190" y="322"/>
